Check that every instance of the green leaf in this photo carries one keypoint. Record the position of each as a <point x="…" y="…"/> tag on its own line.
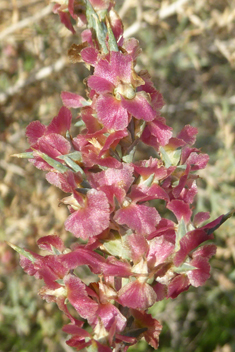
<point x="99" y="27"/>
<point x="130" y="156"/>
<point x="56" y="164"/>
<point x="149" y="181"/>
<point x="27" y="155"/>
<point x="112" y="40"/>
<point x="75" y="167"/>
<point x="115" y="247"/>
<point x="130" y="152"/>
<point x="55" y="250"/>
<point x="80" y="123"/>
<point x="170" y="157"/>
<point x="224" y="218"/>
<point x="76" y="156"/>
<point x="22" y="252"/>
<point x="165" y="157"/>
<point x="181" y="232"/>
<point x="139" y="131"/>
<point x="184" y="268"/>
<point x="176" y="156"/>
<point x="135" y="332"/>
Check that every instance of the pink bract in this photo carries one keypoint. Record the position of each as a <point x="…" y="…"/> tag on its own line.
<point x="92" y="218"/>
<point x="114" y="80"/>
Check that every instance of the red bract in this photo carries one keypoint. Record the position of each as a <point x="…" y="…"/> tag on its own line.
<point x="140" y="218"/>
<point x="179" y="284"/>
<point x="118" y="203"/>
<point x="59" y="125"/>
<point x="137" y="295"/>
<point x="78" y="297"/>
<point x="67" y="182"/>
<point x="91" y="218"/>
<point x="49" y="140"/>
<point x="180" y="209"/>
<point x="156" y="133"/>
<point x="49" y="243"/>
<point x="152" y="326"/>
<point x="113" y="182"/>
<point x="83" y="256"/>
<point x="115" y="81"/>
<point x="71" y="100"/>
<point x="95" y="144"/>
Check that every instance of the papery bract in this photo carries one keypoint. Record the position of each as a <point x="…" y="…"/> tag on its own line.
<point x="140" y="218"/>
<point x="91" y="219"/>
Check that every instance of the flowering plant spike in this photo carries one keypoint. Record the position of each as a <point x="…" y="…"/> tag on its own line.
<point x="137" y="254"/>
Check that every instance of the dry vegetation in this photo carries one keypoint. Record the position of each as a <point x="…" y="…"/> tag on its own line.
<point x="189" y="49"/>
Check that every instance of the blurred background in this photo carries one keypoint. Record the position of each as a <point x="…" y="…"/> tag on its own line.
<point x="189" y="50"/>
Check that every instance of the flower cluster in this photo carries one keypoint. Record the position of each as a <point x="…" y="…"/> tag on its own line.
<point x="139" y="254"/>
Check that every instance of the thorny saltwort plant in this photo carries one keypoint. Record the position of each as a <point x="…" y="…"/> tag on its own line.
<point x="138" y="256"/>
